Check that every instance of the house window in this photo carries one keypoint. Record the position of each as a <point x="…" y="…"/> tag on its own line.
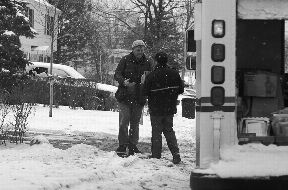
<point x="41" y="58"/>
<point x="49" y="21"/>
<point x="30" y="14"/>
<point x="48" y="58"/>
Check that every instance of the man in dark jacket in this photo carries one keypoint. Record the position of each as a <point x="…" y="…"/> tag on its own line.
<point x="131" y="101"/>
<point x="162" y="86"/>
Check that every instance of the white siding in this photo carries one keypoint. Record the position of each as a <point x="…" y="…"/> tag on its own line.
<point x="40" y="10"/>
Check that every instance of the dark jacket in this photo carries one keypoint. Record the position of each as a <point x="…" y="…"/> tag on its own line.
<point x="131" y="68"/>
<point x="162" y="86"/>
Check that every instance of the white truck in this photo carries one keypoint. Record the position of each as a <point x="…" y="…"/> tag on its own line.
<point x="241" y="87"/>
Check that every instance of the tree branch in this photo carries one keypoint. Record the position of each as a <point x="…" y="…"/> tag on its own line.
<point x="115" y="16"/>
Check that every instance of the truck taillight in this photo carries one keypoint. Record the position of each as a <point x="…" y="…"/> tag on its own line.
<point x="217" y="74"/>
<point x="218" y="52"/>
<point x="217" y="96"/>
<point x="218" y="28"/>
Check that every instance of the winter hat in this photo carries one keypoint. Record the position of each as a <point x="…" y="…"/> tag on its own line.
<point x="138" y="43"/>
<point x="161" y="58"/>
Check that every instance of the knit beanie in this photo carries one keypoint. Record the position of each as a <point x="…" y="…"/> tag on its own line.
<point x="161" y="58"/>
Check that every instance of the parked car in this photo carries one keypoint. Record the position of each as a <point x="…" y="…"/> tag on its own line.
<point x="71" y="88"/>
<point x="62" y="71"/>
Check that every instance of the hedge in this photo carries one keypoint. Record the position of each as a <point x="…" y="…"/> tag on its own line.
<point x="67" y="92"/>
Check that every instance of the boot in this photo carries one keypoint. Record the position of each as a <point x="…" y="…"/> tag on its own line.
<point x="152" y="156"/>
<point x="133" y="149"/>
<point x="121" y="150"/>
<point x="176" y="158"/>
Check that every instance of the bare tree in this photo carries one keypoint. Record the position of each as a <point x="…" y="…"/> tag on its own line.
<point x="189" y="7"/>
<point x="114" y="21"/>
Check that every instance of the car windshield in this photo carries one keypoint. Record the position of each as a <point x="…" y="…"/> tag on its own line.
<point x="60" y="73"/>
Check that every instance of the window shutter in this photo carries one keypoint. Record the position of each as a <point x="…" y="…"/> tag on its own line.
<point x="31" y="17"/>
<point x="45" y="29"/>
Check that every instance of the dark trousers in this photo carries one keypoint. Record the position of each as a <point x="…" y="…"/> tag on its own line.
<point x="163" y="124"/>
<point x="129" y="114"/>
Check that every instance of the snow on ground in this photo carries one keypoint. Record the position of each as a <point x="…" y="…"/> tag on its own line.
<point x="67" y="120"/>
<point x="87" y="167"/>
<point x="84" y="167"/>
<point x="250" y="161"/>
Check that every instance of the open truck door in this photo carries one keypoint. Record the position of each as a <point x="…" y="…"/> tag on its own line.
<point x="240" y="72"/>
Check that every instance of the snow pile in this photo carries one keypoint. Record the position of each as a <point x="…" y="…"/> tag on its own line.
<point x="8" y="33"/>
<point x="251" y="160"/>
<point x="84" y="167"/>
<point x="40" y="139"/>
<point x="106" y="87"/>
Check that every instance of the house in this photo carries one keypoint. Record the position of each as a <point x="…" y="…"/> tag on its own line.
<point x="41" y="15"/>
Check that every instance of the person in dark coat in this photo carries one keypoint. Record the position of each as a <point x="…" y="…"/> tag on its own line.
<point x="162" y="87"/>
<point x="131" y="101"/>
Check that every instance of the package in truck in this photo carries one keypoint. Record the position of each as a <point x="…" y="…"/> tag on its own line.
<point x="260" y="84"/>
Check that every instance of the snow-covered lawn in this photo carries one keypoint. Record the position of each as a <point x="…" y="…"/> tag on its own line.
<point x="87" y="166"/>
<point x="92" y="164"/>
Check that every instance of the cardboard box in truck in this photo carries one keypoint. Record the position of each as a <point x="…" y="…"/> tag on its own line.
<point x="262" y="84"/>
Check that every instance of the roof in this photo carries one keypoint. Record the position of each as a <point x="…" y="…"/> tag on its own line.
<point x="41" y="2"/>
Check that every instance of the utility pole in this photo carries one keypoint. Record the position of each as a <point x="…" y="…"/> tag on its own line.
<point x="100" y="67"/>
<point x="52" y="30"/>
<point x="51" y="67"/>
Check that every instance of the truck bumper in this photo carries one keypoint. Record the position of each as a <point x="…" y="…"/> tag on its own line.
<point x="200" y="181"/>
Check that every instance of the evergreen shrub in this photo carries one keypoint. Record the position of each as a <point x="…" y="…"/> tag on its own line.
<point x="67" y="92"/>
